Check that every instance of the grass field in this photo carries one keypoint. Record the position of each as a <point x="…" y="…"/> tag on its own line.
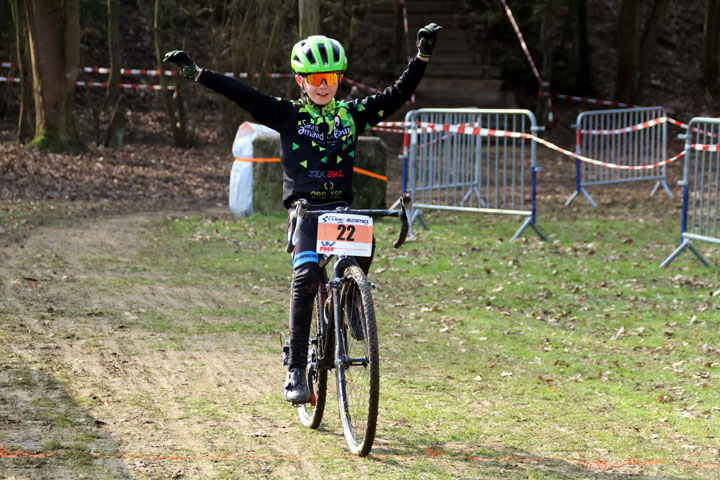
<point x="148" y="346"/>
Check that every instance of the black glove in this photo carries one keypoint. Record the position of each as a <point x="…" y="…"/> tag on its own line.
<point x="426" y="39"/>
<point x="181" y="59"/>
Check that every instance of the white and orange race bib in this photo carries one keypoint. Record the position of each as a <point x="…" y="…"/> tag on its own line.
<point x="345" y="234"/>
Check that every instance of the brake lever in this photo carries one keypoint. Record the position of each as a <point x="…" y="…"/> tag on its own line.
<point x="405" y="225"/>
<point x="298" y="215"/>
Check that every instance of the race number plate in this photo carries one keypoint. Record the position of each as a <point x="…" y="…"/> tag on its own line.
<point x="345" y="234"/>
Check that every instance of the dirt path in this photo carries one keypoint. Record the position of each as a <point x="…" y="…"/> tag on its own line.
<point x="91" y="394"/>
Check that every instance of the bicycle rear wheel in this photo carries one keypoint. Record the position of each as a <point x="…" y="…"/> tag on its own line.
<point x="358" y="378"/>
<point x="311" y="414"/>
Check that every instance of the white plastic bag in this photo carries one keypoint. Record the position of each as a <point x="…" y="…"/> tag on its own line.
<point x="241" y="175"/>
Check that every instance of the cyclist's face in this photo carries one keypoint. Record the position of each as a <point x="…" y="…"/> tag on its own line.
<point x="321" y="95"/>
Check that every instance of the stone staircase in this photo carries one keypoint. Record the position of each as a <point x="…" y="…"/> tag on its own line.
<point x="459" y="75"/>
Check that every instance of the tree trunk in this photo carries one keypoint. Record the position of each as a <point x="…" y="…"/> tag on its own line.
<point x="711" y="51"/>
<point x="636" y="45"/>
<point x="116" y="127"/>
<point x="309" y="23"/>
<point x="54" y="32"/>
<point x="178" y="122"/>
<point x="554" y="16"/>
<point x="26" y="122"/>
<point x="73" y="34"/>
<point x="584" y="78"/>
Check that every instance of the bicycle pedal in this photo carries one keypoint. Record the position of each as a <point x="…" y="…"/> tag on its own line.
<point x="312" y="402"/>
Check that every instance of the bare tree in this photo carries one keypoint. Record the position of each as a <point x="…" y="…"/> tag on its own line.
<point x="639" y="23"/>
<point x="26" y="122"/>
<point x="54" y="33"/>
<point x="172" y="103"/>
<point x="554" y="14"/>
<point x="711" y="50"/>
<point x="116" y="127"/>
<point x="309" y="23"/>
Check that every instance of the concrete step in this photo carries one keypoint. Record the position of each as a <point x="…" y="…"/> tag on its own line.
<point x="433" y="6"/>
<point x="450" y="85"/>
<point x="453" y="93"/>
<point x="503" y="99"/>
<point x="453" y="70"/>
<point x="454" y="57"/>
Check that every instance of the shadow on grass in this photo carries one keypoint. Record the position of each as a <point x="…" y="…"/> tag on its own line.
<point x="45" y="434"/>
<point x="509" y="463"/>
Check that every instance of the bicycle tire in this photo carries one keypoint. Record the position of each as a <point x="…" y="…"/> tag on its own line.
<point x="358" y="383"/>
<point x="311" y="415"/>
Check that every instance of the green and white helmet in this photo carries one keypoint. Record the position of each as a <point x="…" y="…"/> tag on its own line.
<point x="318" y="54"/>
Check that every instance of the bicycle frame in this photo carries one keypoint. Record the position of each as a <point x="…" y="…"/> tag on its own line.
<point x="330" y="289"/>
<point x="342" y="288"/>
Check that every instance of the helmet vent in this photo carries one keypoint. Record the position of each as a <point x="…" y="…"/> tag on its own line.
<point x="323" y="54"/>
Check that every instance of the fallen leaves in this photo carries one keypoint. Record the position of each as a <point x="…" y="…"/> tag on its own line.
<point x="139" y="173"/>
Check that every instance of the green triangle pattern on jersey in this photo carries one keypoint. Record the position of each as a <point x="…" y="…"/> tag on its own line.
<point x="380" y="113"/>
<point x="304" y="163"/>
<point x="324" y="159"/>
<point x="339" y="159"/>
<point x="352" y="154"/>
<point x="295" y="146"/>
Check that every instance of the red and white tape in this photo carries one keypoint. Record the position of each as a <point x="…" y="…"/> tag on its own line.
<point x="600" y="163"/>
<point x="155" y="73"/>
<point x="390" y="130"/>
<point x="125" y="85"/>
<point x="360" y="85"/>
<point x="594" y="101"/>
<point x="523" y="45"/>
<point x="706" y="148"/>
<point x="127" y="71"/>
<point x="489" y="132"/>
<point x="101" y="84"/>
<point x="632" y="128"/>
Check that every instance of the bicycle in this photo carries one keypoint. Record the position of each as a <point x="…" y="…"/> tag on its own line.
<point x="343" y="333"/>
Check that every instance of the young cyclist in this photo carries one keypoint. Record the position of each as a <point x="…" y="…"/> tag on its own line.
<point x="318" y="136"/>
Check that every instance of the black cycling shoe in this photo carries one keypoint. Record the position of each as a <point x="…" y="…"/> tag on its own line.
<point x="296" y="387"/>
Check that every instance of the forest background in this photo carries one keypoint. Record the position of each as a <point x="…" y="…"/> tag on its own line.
<point x="644" y="52"/>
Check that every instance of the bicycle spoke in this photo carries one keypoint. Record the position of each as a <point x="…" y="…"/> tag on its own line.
<point x="358" y="379"/>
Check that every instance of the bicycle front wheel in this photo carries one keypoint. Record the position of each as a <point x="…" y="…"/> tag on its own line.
<point x="358" y="376"/>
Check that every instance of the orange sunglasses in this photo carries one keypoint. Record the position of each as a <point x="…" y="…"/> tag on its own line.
<point x="316" y="79"/>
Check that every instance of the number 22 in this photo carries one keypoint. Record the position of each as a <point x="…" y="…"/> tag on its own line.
<point x="350" y="230"/>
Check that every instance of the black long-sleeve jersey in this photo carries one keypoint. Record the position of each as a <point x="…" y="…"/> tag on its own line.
<point x="318" y="143"/>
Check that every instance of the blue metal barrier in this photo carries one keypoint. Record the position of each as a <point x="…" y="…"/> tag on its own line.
<point x="701" y="187"/>
<point x="476" y="172"/>
<point x="631" y="137"/>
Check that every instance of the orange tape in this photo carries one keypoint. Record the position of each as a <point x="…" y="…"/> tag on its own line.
<point x="276" y="159"/>
<point x="258" y="160"/>
<point x="370" y="174"/>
